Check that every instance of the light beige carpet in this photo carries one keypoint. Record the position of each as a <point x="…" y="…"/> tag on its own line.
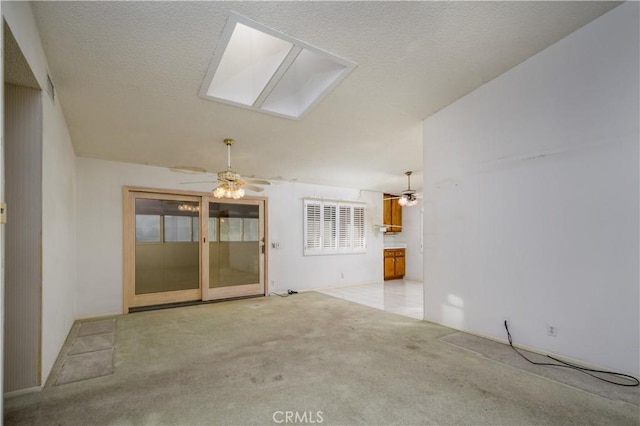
<point x="257" y="361"/>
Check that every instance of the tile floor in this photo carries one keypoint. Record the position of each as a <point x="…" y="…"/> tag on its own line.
<point x="399" y="296"/>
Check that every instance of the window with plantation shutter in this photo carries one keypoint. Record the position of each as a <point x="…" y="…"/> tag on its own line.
<point x="334" y="227"/>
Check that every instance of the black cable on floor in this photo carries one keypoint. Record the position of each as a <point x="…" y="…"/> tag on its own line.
<point x="634" y="381"/>
<point x="289" y="293"/>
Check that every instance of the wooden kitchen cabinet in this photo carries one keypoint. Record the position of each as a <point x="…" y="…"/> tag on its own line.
<point x="394" y="263"/>
<point x="392" y="213"/>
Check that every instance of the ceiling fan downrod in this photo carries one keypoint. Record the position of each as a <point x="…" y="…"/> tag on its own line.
<point x="408" y="179"/>
<point x="228" y="142"/>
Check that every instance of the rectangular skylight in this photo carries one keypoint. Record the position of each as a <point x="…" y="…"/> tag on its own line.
<point x="261" y="69"/>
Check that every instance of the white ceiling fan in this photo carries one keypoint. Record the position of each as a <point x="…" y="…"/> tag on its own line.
<point x="231" y="184"/>
<point x="409" y="197"/>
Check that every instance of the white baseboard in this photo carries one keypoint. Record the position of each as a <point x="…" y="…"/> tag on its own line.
<point x="25" y="391"/>
<point x="98" y="316"/>
<point x="331" y="287"/>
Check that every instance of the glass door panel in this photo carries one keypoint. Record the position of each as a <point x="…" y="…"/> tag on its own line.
<point x="167" y="250"/>
<point x="236" y="249"/>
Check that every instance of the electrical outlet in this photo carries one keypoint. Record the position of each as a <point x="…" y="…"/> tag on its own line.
<point x="552" y="330"/>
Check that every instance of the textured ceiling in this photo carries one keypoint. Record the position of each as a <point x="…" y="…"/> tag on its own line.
<point x="128" y="75"/>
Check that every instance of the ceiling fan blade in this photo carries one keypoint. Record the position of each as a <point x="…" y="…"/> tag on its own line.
<point x="391" y="198"/>
<point x="197" y="181"/>
<point x="257" y="181"/>
<point x="188" y="169"/>
<point x="253" y="188"/>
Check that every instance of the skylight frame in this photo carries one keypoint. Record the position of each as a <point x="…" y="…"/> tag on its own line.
<point x="298" y="46"/>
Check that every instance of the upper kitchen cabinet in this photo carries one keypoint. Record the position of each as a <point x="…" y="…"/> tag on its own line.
<point x="392" y="217"/>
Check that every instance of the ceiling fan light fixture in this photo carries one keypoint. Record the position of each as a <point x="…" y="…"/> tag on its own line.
<point x="408" y="201"/>
<point x="408" y="198"/>
<point x="228" y="191"/>
<point x="231" y="183"/>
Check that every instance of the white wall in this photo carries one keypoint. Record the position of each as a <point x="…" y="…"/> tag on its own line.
<point x="58" y="211"/>
<point x="100" y="233"/>
<point x="289" y="269"/>
<point x="59" y="233"/>
<point x="531" y="209"/>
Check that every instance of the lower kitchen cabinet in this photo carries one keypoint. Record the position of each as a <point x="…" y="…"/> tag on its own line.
<point x="394" y="264"/>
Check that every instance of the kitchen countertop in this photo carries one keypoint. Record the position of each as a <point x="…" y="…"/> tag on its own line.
<point x="396" y="246"/>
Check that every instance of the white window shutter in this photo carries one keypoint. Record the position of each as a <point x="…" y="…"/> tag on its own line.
<point x="344" y="229"/>
<point x="359" y="241"/>
<point x="330" y="231"/>
<point x="312" y="226"/>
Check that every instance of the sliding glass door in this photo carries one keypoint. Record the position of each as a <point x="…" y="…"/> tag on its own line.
<point x="182" y="248"/>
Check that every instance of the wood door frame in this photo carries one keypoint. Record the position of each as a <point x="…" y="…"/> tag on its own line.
<point x="128" y="222"/>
